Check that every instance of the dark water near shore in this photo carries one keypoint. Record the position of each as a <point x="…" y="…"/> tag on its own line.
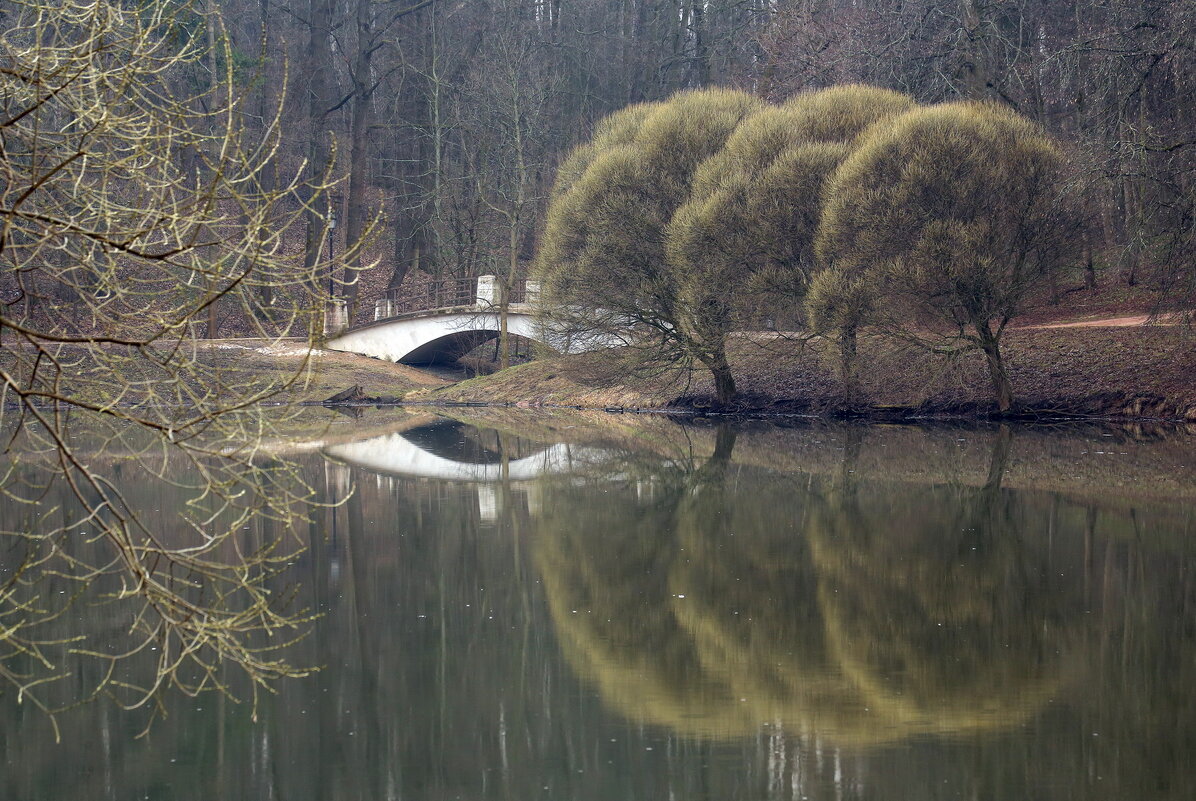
<point x="658" y="612"/>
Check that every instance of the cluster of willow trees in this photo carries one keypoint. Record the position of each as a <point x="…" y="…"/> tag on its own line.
<point x="684" y="221"/>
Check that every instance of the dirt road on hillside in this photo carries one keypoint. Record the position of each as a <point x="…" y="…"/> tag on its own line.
<point x="1128" y="321"/>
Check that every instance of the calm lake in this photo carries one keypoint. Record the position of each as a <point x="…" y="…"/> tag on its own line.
<point x="614" y="607"/>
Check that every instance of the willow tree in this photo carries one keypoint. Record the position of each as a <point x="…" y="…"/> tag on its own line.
<point x="956" y="213"/>
<point x="745" y="238"/>
<point x="602" y="263"/>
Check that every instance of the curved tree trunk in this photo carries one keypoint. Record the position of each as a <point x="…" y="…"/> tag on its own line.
<point x="1002" y="388"/>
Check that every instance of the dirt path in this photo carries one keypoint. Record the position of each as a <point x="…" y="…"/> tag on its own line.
<point x="1128" y="321"/>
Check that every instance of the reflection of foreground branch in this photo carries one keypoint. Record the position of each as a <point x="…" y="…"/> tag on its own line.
<point x="132" y="582"/>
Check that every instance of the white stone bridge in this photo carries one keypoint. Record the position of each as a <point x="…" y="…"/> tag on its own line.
<point x="454" y="318"/>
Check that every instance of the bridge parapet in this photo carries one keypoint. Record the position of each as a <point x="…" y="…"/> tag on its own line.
<point x="483" y="292"/>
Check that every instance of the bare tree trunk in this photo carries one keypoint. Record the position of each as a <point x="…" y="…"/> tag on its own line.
<point x="407" y="252"/>
<point x="1089" y="264"/>
<point x="504" y="337"/>
<point x="847" y="356"/>
<point x="359" y="144"/>
<point x="213" y="324"/>
<point x="701" y="57"/>
<point x="506" y="284"/>
<point x="977" y="77"/>
<point x="319" y="65"/>
<point x="265" y="111"/>
<point x="997" y="373"/>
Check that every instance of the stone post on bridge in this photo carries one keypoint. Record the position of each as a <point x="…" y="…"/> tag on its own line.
<point x="336" y="317"/>
<point x="487" y="294"/>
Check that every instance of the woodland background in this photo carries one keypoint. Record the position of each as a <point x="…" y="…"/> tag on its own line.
<point x="448" y="117"/>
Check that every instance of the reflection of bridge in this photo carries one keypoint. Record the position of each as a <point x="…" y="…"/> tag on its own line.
<point x="454" y="318"/>
<point x="441" y="451"/>
<point x="445" y="450"/>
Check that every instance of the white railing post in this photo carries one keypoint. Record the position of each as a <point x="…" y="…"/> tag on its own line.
<point x="531" y="291"/>
<point x="336" y="317"/>
<point x="487" y="294"/>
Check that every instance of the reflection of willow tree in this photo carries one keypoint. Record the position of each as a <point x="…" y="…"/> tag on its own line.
<point x="728" y="606"/>
<point x="936" y="606"/>
<point x="605" y="573"/>
<point x="746" y="594"/>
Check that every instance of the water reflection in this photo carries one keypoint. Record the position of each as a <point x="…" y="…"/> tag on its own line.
<point x="697" y="617"/>
<point x="453" y="451"/>
<point x="148" y="583"/>
<point x="861" y="614"/>
<point x="940" y="603"/>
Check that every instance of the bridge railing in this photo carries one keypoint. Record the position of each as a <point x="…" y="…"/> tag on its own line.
<point x="450" y="292"/>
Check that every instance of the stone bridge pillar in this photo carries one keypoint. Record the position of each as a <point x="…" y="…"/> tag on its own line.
<point x="489" y="290"/>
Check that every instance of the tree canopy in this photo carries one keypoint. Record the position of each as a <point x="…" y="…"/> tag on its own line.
<point x="957" y="213"/>
<point x="744" y="243"/>
<point x="660" y="226"/>
<point x="684" y="221"/>
<point x="603" y="261"/>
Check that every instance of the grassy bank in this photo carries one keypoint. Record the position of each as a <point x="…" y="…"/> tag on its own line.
<point x="282" y="372"/>
<point x="1146" y="372"/>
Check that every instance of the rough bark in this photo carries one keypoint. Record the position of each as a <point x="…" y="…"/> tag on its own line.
<point x="319" y="65"/>
<point x="359" y="143"/>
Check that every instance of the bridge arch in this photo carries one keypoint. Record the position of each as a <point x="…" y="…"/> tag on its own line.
<point x="456" y="316"/>
<point x="437" y="336"/>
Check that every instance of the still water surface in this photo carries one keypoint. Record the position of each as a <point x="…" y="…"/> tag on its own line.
<point x="640" y="610"/>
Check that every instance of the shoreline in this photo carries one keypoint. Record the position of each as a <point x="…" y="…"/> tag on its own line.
<point x="889" y="415"/>
<point x="1116" y="375"/>
<point x="1144" y="374"/>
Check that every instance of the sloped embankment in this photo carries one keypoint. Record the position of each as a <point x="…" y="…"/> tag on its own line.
<point x="1143" y="372"/>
